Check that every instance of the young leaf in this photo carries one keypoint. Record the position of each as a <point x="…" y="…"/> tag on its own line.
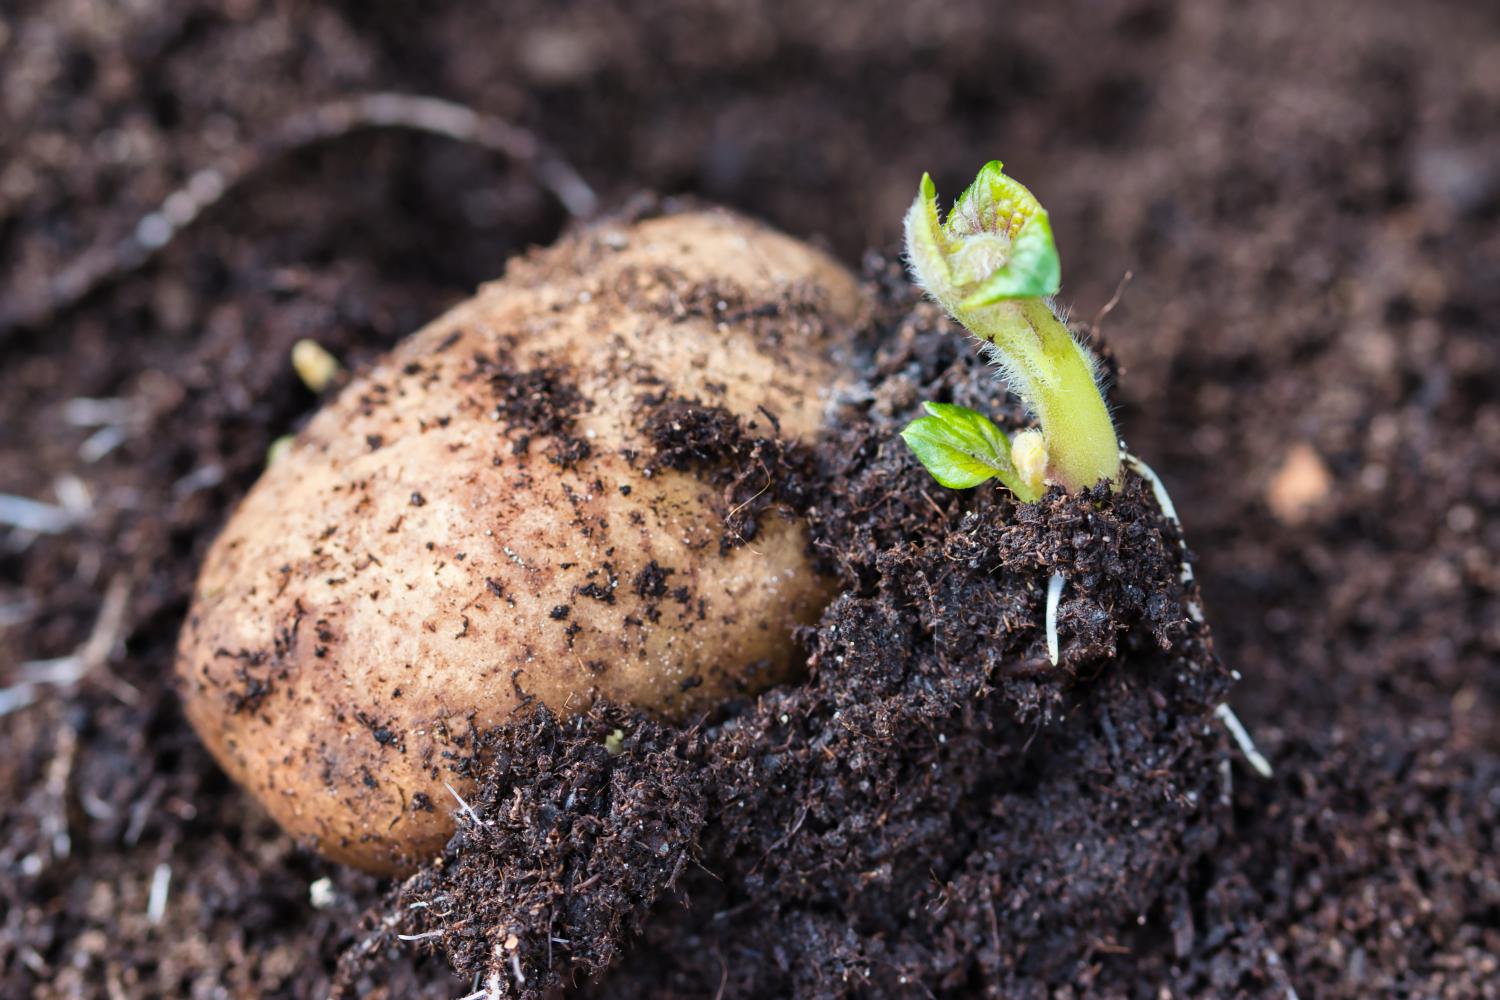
<point x="962" y="448"/>
<point x="1032" y="271"/>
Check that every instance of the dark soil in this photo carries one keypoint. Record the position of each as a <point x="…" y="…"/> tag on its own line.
<point x="1307" y="196"/>
<point x="542" y="402"/>
<point x="578" y="826"/>
<point x="756" y="469"/>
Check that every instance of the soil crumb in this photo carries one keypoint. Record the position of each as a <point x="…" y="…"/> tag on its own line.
<point x="539" y="402"/>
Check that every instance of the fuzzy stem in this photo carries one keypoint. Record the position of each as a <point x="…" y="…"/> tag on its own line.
<point x="1080" y="435"/>
<point x="1054" y="375"/>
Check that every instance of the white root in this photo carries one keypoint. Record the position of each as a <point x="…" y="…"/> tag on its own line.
<point x="54" y="822"/>
<point x="85" y="411"/>
<point x="25" y="514"/>
<point x="113" y="421"/>
<point x="504" y="956"/>
<point x="16" y="697"/>
<point x="463" y="124"/>
<point x="1242" y="739"/>
<point x="1223" y="713"/>
<point x="494" y="986"/>
<point x="321" y="894"/>
<point x="1054" y="597"/>
<point x="1273" y="960"/>
<point x="17" y="612"/>
<point x="468" y="809"/>
<point x="1169" y="511"/>
<point x="101" y="443"/>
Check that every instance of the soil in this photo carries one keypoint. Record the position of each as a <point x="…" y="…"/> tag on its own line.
<point x="1307" y="197"/>
<point x="755" y="472"/>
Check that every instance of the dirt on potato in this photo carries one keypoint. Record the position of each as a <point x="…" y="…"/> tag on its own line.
<point x="756" y="469"/>
<point x="1306" y="199"/>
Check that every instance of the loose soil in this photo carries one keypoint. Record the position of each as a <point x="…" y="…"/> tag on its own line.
<point x="1307" y="196"/>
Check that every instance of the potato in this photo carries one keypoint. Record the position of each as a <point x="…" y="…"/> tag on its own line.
<point x="480" y="518"/>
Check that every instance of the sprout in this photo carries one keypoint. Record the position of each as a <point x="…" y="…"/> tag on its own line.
<point x="962" y="448"/>
<point x="993" y="266"/>
<point x="317" y="368"/>
<point x="279" y="449"/>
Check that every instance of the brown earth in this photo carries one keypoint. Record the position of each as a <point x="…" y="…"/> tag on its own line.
<point x="1307" y="196"/>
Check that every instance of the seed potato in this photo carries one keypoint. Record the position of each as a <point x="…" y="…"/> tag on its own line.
<point x="478" y="519"/>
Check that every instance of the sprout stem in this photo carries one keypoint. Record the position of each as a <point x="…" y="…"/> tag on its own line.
<point x="1075" y="422"/>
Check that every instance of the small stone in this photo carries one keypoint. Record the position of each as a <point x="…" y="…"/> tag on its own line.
<point x="1299" y="486"/>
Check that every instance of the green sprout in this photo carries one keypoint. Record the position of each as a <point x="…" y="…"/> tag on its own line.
<point x="993" y="266"/>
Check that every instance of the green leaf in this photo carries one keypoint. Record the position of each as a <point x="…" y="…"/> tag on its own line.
<point x="995" y="203"/>
<point x="962" y="448"/>
<point x="927" y="246"/>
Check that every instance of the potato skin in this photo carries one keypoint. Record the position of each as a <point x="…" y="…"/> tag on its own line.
<point x="404" y="576"/>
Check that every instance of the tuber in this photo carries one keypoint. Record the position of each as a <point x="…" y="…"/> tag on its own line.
<point x="485" y="516"/>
